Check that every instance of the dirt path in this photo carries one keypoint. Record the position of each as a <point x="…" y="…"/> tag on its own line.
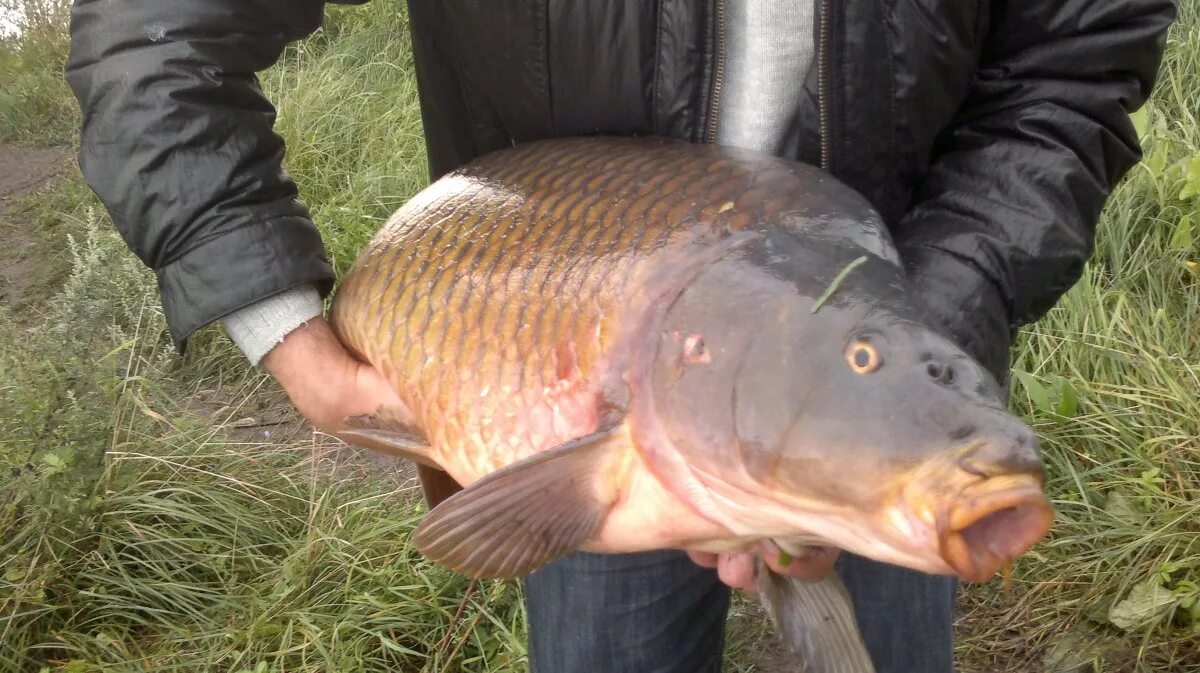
<point x="22" y="171"/>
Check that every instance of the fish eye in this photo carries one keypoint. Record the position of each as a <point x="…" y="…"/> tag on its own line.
<point x="863" y="357"/>
<point x="695" y="351"/>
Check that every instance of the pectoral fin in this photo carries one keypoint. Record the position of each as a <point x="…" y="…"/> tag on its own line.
<point x="522" y="516"/>
<point x="385" y="433"/>
<point x="437" y="485"/>
<point x="816" y="621"/>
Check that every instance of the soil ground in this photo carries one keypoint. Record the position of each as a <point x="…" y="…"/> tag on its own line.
<point x="23" y="170"/>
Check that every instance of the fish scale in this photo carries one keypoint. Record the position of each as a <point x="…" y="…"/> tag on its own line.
<point x="614" y="344"/>
<point x="482" y="270"/>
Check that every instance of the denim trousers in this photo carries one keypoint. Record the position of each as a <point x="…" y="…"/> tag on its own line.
<point x="658" y="612"/>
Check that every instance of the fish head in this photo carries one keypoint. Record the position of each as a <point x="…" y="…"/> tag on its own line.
<point x="854" y="421"/>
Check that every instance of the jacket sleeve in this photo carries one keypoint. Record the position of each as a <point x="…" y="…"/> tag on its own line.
<point x="1004" y="219"/>
<point x="177" y="142"/>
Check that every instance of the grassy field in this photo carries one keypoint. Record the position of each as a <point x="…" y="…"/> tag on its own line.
<point x="160" y="513"/>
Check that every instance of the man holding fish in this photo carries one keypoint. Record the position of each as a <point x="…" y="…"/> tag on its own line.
<point x="983" y="136"/>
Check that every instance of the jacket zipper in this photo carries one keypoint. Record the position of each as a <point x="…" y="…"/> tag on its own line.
<point x="822" y="79"/>
<point x="718" y="73"/>
<point x="823" y="83"/>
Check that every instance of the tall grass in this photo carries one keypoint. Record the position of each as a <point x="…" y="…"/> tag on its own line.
<point x="35" y="104"/>
<point x="147" y="526"/>
<point x="348" y="111"/>
<point x="1110" y="380"/>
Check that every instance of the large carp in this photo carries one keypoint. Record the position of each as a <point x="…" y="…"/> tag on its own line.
<point x="621" y="344"/>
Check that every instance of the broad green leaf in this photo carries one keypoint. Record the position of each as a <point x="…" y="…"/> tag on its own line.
<point x="1141" y="120"/>
<point x="53" y="460"/>
<point x="1074" y="652"/>
<point x="1124" y="508"/>
<point x="1146" y="603"/>
<point x="1068" y="400"/>
<point x="1182" y="238"/>
<point x="1036" y="391"/>
<point x="1156" y="162"/>
<point x="1191" y="178"/>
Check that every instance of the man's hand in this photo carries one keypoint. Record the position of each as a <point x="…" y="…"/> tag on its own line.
<point x="324" y="381"/>
<point x="738" y="570"/>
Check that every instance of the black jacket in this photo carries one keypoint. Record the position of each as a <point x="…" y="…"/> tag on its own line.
<point x="988" y="133"/>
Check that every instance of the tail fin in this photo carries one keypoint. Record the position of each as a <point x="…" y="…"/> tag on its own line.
<point x="815" y="620"/>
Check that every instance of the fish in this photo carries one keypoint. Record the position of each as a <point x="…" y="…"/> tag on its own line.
<point x="623" y="344"/>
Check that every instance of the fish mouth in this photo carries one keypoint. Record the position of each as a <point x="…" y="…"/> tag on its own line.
<point x="991" y="523"/>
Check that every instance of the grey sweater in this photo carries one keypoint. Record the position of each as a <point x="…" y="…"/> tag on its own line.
<point x="769" y="47"/>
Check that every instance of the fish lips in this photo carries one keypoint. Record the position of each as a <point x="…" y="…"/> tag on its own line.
<point x="991" y="523"/>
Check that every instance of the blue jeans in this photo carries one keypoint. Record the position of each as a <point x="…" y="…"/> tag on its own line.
<point x="658" y="612"/>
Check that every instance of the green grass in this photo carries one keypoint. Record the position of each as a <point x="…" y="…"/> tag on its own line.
<point x="36" y="107"/>
<point x="350" y="117"/>
<point x="1110" y="380"/>
<point x="142" y="529"/>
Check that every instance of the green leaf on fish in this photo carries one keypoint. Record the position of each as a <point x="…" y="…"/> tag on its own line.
<point x="837" y="280"/>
